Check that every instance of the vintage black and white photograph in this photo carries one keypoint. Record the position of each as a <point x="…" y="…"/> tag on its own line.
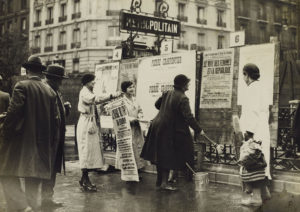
<point x="149" y="105"/>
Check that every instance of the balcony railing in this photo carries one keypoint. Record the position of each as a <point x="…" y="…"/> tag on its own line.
<point x="48" y="49"/>
<point x="62" y="18"/>
<point x="112" y="12"/>
<point x="221" y="24"/>
<point x="262" y="17"/>
<point x="61" y="47"/>
<point x="113" y="42"/>
<point x="75" y="45"/>
<point x="76" y="15"/>
<point x="201" y="21"/>
<point x="49" y="21"/>
<point x="182" y="18"/>
<point x="183" y="46"/>
<point x="36" y="50"/>
<point x="37" y="24"/>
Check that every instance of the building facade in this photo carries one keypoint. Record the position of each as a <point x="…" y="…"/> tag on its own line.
<point x="264" y="20"/>
<point x="81" y="33"/>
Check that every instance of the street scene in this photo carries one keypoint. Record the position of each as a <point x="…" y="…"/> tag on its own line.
<point x="163" y="105"/>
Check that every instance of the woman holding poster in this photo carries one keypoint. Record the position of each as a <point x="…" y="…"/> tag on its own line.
<point x="89" y="150"/>
<point x="135" y="113"/>
<point x="255" y="126"/>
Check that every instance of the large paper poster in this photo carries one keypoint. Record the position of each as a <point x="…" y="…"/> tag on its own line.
<point x="156" y="74"/>
<point x="123" y="133"/>
<point x="217" y="76"/>
<point x="263" y="56"/>
<point x="128" y="71"/>
<point x="106" y="80"/>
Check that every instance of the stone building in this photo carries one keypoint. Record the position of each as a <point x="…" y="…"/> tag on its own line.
<point x="264" y="20"/>
<point x="79" y="34"/>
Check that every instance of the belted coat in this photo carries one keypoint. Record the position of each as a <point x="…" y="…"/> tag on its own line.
<point x="29" y="131"/>
<point x="169" y="142"/>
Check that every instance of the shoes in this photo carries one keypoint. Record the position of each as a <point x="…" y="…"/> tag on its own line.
<point x="250" y="201"/>
<point x="48" y="203"/>
<point x="168" y="188"/>
<point x="87" y="186"/>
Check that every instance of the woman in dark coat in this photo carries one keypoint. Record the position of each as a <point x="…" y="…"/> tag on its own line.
<point x="169" y="143"/>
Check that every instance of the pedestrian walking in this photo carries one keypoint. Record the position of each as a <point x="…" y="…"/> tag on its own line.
<point x="29" y="133"/>
<point x="169" y="143"/>
<point x="88" y="138"/>
<point x="134" y="113"/>
<point x="54" y="77"/>
<point x="254" y="124"/>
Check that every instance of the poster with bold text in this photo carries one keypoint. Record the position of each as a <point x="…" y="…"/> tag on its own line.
<point x="217" y="76"/>
<point x="122" y="129"/>
<point x="156" y="75"/>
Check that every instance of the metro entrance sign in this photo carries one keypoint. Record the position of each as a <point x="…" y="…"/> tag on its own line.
<point x="148" y="24"/>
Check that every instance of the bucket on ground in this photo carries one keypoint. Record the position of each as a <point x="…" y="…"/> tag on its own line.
<point x="201" y="181"/>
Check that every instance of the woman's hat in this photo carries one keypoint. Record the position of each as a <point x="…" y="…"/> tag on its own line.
<point x="55" y="70"/>
<point x="87" y="78"/>
<point x="34" y="63"/>
<point x="181" y="80"/>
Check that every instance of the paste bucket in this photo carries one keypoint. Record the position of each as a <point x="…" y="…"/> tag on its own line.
<point x="200" y="178"/>
<point x="201" y="181"/>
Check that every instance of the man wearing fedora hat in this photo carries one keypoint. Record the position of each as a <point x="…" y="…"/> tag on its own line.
<point x="54" y="76"/>
<point x="29" y="133"/>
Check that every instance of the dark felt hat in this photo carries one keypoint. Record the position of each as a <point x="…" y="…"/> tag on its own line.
<point x="181" y="80"/>
<point x="34" y="63"/>
<point x="87" y="78"/>
<point x="55" y="70"/>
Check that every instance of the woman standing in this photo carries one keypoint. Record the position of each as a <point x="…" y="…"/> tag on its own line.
<point x="134" y="112"/>
<point x="254" y="123"/>
<point x="90" y="154"/>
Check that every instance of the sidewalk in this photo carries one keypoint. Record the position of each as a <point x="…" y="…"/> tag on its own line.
<point x="115" y="195"/>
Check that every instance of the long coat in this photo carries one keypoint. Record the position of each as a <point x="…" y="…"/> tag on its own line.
<point x="88" y="138"/>
<point x="169" y="142"/>
<point x="255" y="118"/>
<point x="29" y="131"/>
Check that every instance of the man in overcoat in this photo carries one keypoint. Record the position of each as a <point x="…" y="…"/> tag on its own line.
<point x="54" y="76"/>
<point x="29" y="134"/>
<point x="169" y="143"/>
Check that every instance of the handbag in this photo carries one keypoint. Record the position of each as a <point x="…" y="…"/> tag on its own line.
<point x="251" y="156"/>
<point x="92" y="128"/>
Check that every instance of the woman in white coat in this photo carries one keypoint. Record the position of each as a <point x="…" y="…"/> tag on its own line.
<point x="89" y="150"/>
<point x="255" y="124"/>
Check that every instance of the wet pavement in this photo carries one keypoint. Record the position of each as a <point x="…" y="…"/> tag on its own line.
<point x="114" y="195"/>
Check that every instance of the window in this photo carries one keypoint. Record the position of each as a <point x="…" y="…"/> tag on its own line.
<point x="182" y="35"/>
<point x="49" y="13"/>
<point x="23" y="4"/>
<point x="277" y="14"/>
<point x="113" y="31"/>
<point x="2" y="10"/>
<point x="62" y="10"/>
<point x="201" y="39"/>
<point x="262" y="34"/>
<point x="49" y="40"/>
<point x="181" y="9"/>
<point x="76" y="6"/>
<point x="261" y="11"/>
<point x="75" y="65"/>
<point x="37" y="41"/>
<point x="37" y="15"/>
<point x="220" y="42"/>
<point x="76" y="35"/>
<point x="10" y="6"/>
<point x="62" y="38"/>
<point x="200" y="14"/>
<point x="23" y="24"/>
<point x="10" y="26"/>
<point x="2" y="29"/>
<point x="220" y="14"/>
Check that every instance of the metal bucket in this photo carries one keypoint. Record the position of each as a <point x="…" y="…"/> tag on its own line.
<point x="201" y="181"/>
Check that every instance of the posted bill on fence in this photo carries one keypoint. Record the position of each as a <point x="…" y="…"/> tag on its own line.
<point x="125" y="155"/>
